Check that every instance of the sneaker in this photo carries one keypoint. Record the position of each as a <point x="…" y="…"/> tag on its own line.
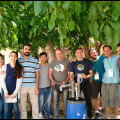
<point x="97" y="116"/>
<point x="50" y="117"/>
<point x="40" y="115"/>
<point x="102" y="112"/>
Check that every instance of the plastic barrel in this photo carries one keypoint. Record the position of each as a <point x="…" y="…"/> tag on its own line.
<point x="76" y="110"/>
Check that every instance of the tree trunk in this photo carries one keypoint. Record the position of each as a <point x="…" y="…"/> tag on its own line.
<point x="98" y="46"/>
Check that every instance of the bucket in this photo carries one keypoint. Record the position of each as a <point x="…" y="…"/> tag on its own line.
<point x="76" y="110"/>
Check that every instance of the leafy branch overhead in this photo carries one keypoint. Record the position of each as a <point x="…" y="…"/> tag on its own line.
<point x="63" y="23"/>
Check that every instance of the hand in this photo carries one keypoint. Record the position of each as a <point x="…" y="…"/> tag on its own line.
<point x="2" y="72"/>
<point x="6" y="95"/>
<point x="37" y="90"/>
<point x="76" y="84"/>
<point x="12" y="96"/>
<point x="84" y="76"/>
<point x="52" y="83"/>
<point x="63" y="83"/>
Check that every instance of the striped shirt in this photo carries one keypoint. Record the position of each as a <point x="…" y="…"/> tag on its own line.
<point x="30" y="66"/>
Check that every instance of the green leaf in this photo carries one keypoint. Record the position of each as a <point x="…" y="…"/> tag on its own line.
<point x="67" y="41"/>
<point x="77" y="7"/>
<point x="0" y="18"/>
<point x="116" y="38"/>
<point x="37" y="8"/>
<point x="61" y="41"/>
<point x="116" y="10"/>
<point x="92" y="12"/>
<point x="51" y="23"/>
<point x="102" y="26"/>
<point x="51" y="3"/>
<point x="99" y="6"/>
<point x="60" y="15"/>
<point x="113" y="25"/>
<point x="27" y="3"/>
<point x="71" y="25"/>
<point x="108" y="34"/>
<point x="117" y="24"/>
<point x="78" y="28"/>
<point x="59" y="3"/>
<point x="94" y="29"/>
<point x="66" y="4"/>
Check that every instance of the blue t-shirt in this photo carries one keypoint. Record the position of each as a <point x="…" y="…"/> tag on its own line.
<point x="100" y="68"/>
<point x="114" y="65"/>
<point x="30" y="66"/>
<point x="11" y="80"/>
<point x="81" y="67"/>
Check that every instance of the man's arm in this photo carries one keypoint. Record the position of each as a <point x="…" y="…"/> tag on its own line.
<point x="71" y="76"/>
<point x="37" y="83"/>
<point x="90" y="75"/>
<point x="51" y="77"/>
<point x="119" y="62"/>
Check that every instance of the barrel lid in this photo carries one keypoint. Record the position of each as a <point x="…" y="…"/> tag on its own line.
<point x="74" y="101"/>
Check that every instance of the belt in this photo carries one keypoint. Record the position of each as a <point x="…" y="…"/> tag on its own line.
<point x="47" y="87"/>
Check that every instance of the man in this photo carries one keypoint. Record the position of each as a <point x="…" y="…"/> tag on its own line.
<point x="118" y="48"/>
<point x="98" y="69"/>
<point x="58" y="75"/>
<point x="110" y="82"/>
<point x="30" y="82"/>
<point x="45" y="87"/>
<point x="118" y="52"/>
<point x="85" y="67"/>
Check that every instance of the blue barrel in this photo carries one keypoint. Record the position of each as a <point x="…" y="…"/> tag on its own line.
<point x="76" y="110"/>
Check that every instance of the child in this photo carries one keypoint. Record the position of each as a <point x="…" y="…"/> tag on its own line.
<point x="11" y="87"/>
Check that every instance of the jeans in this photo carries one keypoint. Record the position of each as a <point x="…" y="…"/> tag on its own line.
<point x="45" y="93"/>
<point x="1" y="109"/>
<point x="56" y="97"/>
<point x="8" y="110"/>
<point x="86" y="87"/>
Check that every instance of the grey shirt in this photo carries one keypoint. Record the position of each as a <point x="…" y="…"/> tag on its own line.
<point x="60" y="70"/>
<point x="44" y="80"/>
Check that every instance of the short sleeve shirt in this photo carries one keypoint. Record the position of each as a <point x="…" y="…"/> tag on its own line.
<point x="30" y="67"/>
<point x="60" y="70"/>
<point x="114" y="66"/>
<point x="98" y="67"/>
<point x="81" y="67"/>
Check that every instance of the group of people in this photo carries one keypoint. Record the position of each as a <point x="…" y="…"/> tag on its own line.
<point x="41" y="81"/>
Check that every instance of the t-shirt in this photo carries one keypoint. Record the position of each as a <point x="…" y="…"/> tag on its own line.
<point x="30" y="66"/>
<point x="114" y="65"/>
<point x="100" y="68"/>
<point x="60" y="70"/>
<point x="81" y="67"/>
<point x="44" y="80"/>
<point x="119" y="69"/>
<point x="11" y="80"/>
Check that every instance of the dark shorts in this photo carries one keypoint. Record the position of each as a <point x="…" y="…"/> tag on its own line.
<point x="96" y="89"/>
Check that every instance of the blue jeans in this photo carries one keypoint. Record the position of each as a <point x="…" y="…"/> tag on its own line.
<point x="1" y="109"/>
<point x="56" y="98"/>
<point x="8" y="110"/>
<point x="45" y="93"/>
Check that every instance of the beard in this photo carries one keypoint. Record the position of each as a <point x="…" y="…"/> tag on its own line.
<point x="94" y="58"/>
<point x="26" y="54"/>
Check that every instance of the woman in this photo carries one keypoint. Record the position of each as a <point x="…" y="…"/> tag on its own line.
<point x="12" y="72"/>
<point x="1" y="101"/>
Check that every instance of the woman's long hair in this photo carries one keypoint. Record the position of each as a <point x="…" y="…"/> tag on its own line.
<point x="18" y="68"/>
